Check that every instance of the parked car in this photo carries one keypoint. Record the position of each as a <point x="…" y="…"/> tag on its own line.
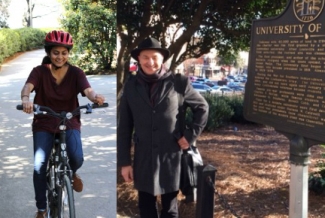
<point x="224" y="90"/>
<point x="242" y="80"/>
<point x="212" y="85"/>
<point x="233" y="84"/>
<point x="202" y="80"/>
<point x="238" y="88"/>
<point x="202" y="88"/>
<point x="193" y="78"/>
<point x="231" y="77"/>
<point x="221" y="82"/>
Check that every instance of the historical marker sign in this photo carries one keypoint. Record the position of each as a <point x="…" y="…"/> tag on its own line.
<point x="286" y="72"/>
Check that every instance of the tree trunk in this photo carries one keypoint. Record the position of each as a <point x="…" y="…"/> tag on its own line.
<point x="29" y="17"/>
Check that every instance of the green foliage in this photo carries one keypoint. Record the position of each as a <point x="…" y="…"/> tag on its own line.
<point x="201" y="25"/>
<point x="236" y="102"/>
<point x="31" y="38"/>
<point x="9" y="43"/>
<point x="316" y="180"/>
<point x="228" y="58"/>
<point x="188" y="116"/>
<point x="93" y="27"/>
<point x="222" y="110"/>
<point x="19" y="40"/>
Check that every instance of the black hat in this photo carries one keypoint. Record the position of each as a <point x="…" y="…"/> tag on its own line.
<point x="150" y="44"/>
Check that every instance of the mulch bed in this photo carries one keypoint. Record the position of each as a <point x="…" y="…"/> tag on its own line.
<point x="252" y="178"/>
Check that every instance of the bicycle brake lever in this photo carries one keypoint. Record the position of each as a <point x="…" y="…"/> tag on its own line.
<point x="37" y="109"/>
<point x="89" y="109"/>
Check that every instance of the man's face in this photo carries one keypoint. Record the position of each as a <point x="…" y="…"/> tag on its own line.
<point x="150" y="61"/>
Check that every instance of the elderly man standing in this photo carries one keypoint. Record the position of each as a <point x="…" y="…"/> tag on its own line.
<point x="148" y="113"/>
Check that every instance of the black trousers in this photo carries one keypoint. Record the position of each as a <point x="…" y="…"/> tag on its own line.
<point x="149" y="208"/>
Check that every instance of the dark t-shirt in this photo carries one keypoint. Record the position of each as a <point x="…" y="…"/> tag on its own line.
<point x="61" y="97"/>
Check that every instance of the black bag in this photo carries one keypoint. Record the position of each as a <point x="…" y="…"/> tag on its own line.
<point x="191" y="158"/>
<point x="190" y="161"/>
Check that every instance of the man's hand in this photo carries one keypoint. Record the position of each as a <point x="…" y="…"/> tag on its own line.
<point x="127" y="173"/>
<point x="183" y="143"/>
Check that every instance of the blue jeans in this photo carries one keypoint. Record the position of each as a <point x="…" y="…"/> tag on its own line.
<point x="43" y="143"/>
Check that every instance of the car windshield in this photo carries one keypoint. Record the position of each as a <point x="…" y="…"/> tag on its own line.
<point x="197" y="86"/>
<point x="210" y="84"/>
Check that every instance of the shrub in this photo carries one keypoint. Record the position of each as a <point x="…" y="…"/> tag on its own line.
<point x="222" y="110"/>
<point x="236" y="102"/>
<point x="9" y="43"/>
<point x="31" y="38"/>
<point x="316" y="180"/>
<point x="18" y="40"/>
<point x="3" y="48"/>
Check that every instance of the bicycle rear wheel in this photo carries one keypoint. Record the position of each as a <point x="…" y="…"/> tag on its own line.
<point x="66" y="199"/>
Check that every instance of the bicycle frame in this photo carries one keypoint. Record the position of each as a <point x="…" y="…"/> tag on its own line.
<point x="58" y="173"/>
<point x="63" y="167"/>
<point x="58" y="168"/>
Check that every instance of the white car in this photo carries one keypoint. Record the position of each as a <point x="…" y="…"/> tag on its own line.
<point x="212" y="86"/>
<point x="224" y="90"/>
<point x="202" y="80"/>
<point x="202" y="88"/>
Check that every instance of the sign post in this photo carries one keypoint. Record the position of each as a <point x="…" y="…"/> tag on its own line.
<point x="299" y="158"/>
<point x="298" y="200"/>
<point x="286" y="86"/>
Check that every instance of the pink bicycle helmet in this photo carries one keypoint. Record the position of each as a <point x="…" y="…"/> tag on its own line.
<point x="58" y="38"/>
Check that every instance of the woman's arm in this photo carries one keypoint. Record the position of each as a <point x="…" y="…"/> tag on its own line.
<point x="25" y="92"/>
<point x="92" y="96"/>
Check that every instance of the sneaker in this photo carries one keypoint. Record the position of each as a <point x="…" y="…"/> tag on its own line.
<point x="40" y="214"/>
<point x="77" y="183"/>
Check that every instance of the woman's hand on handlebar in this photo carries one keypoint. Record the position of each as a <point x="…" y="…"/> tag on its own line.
<point x="25" y="102"/>
<point x="92" y="96"/>
<point x="27" y="106"/>
<point x="99" y="99"/>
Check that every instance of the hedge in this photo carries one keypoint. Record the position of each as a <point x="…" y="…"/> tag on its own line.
<point x="19" y="40"/>
<point x="222" y="111"/>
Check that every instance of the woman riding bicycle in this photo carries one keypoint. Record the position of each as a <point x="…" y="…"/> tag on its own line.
<point x="56" y="84"/>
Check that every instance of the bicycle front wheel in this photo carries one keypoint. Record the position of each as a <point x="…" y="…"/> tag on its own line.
<point x="52" y="197"/>
<point x="66" y="199"/>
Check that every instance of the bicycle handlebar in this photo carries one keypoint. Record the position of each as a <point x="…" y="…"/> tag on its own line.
<point x="38" y="109"/>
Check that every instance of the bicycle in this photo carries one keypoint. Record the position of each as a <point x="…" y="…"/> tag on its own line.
<point x="58" y="173"/>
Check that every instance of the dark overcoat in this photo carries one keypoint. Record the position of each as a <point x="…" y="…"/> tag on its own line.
<point x="155" y="131"/>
